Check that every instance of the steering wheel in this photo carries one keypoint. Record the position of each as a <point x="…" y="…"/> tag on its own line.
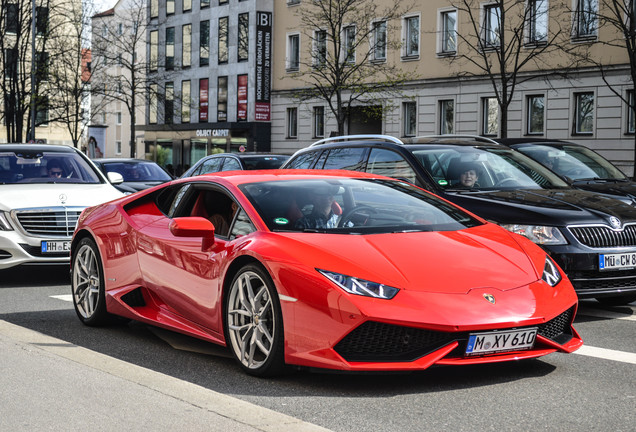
<point x="507" y="181"/>
<point x="347" y="216"/>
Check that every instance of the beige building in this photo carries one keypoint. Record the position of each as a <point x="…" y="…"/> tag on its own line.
<point x="440" y="45"/>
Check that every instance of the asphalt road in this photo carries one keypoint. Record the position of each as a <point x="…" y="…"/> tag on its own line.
<point x="593" y="389"/>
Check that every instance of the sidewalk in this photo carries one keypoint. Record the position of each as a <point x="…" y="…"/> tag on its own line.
<point x="50" y="384"/>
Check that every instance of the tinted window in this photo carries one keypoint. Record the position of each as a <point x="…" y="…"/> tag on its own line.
<point x="208" y="166"/>
<point x="231" y="164"/>
<point x="138" y="171"/>
<point x="391" y="164"/>
<point x="45" y="167"/>
<point x="352" y="206"/>
<point x="264" y="162"/>
<point x="345" y="158"/>
<point x="303" y="161"/>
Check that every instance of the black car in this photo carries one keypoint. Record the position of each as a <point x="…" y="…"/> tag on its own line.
<point x="138" y="174"/>
<point x="580" y="166"/>
<point x="591" y="236"/>
<point x="236" y="161"/>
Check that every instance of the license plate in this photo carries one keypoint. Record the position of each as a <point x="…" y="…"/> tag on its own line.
<point x="617" y="261"/>
<point x="55" y="246"/>
<point x="500" y="341"/>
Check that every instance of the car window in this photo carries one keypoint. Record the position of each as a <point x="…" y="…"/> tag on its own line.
<point x="303" y="161"/>
<point x="137" y="171"/>
<point x="45" y="167"/>
<point x="345" y="158"/>
<point x="352" y="206"/>
<point x="391" y="164"/>
<point x="231" y="164"/>
<point x="264" y="162"/>
<point x="208" y="166"/>
<point x="242" y="225"/>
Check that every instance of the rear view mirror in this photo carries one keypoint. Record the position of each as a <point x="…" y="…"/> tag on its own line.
<point x="115" y="178"/>
<point x="194" y="227"/>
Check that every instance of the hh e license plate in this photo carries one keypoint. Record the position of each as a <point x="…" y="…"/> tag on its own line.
<point x="617" y="261"/>
<point x="501" y="341"/>
<point x="55" y="246"/>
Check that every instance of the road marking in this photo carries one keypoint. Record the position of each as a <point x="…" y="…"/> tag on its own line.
<point x="607" y="354"/>
<point x="63" y="297"/>
<point x="244" y="414"/>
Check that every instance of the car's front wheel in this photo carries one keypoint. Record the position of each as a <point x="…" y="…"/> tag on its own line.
<point x="87" y="284"/>
<point x="253" y="322"/>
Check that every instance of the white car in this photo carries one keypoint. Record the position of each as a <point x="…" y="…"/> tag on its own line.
<point x="43" y="190"/>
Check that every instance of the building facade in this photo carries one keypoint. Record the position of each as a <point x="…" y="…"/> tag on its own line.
<point x="440" y="43"/>
<point x="210" y="79"/>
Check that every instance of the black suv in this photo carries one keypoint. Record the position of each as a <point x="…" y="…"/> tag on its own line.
<point x="592" y="236"/>
<point x="578" y="165"/>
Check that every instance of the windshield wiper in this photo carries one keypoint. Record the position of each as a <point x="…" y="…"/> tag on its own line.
<point x="598" y="179"/>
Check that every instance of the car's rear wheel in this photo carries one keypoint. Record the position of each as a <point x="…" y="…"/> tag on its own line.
<point x="87" y="284"/>
<point x="617" y="300"/>
<point x="253" y="322"/>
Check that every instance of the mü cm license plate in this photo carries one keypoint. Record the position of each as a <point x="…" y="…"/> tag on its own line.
<point x="501" y="341"/>
<point x="617" y="261"/>
<point x="55" y="246"/>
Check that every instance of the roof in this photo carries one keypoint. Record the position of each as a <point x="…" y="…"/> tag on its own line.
<point x="37" y="147"/>
<point x="240" y="177"/>
<point x="514" y="141"/>
<point x="109" y="12"/>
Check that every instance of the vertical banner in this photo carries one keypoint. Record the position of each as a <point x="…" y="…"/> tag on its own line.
<point x="263" y="65"/>
<point x="203" y="100"/>
<point x="241" y="98"/>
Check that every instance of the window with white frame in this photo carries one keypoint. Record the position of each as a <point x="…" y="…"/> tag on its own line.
<point x="320" y="48"/>
<point x="448" y="41"/>
<point x="447" y="116"/>
<point x="379" y="40"/>
<point x="293" y="52"/>
<point x="409" y="115"/>
<point x="631" y="119"/>
<point x="349" y="44"/>
<point x="583" y="113"/>
<point x="537" y="21"/>
<point x="535" y="109"/>
<point x="292" y="122"/>
<point x="585" y="21"/>
<point x="411" y="36"/>
<point x="489" y="116"/>
<point x="319" y="122"/>
<point x="118" y="147"/>
<point x="120" y="29"/>
<point x="118" y="118"/>
<point x="492" y="26"/>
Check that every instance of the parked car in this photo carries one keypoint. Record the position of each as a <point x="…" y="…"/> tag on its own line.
<point x="43" y="190"/>
<point x="279" y="287"/>
<point x="236" y="161"/>
<point x="138" y="174"/>
<point x="591" y="236"/>
<point x="580" y="166"/>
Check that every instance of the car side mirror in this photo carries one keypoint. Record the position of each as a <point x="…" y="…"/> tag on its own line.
<point x="194" y="226"/>
<point x="115" y="178"/>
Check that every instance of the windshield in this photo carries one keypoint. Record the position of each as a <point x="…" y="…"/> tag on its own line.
<point x="45" y="167"/>
<point x="352" y="206"/>
<point x="484" y="168"/>
<point x="575" y="162"/>
<point x="138" y="171"/>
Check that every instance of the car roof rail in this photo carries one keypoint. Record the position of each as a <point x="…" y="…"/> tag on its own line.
<point x="358" y="137"/>
<point x="457" y="136"/>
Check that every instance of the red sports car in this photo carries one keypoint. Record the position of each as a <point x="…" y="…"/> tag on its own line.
<point x="328" y="269"/>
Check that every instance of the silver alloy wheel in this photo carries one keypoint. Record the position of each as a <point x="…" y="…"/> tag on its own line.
<point x="251" y="321"/>
<point x="86" y="281"/>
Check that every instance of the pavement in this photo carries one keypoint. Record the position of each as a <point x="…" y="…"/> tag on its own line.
<point x="51" y="384"/>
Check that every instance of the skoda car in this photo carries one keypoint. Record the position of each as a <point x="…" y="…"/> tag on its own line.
<point x="580" y="166"/>
<point x="43" y="189"/>
<point x="321" y="269"/>
<point x="590" y="235"/>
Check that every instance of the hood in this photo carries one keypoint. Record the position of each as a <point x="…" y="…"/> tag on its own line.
<point x="55" y="195"/>
<point x="621" y="189"/>
<point x="445" y="262"/>
<point x="555" y="207"/>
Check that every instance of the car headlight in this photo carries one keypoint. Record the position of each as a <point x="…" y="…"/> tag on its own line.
<point x="543" y="235"/>
<point x="4" y="222"/>
<point x="551" y="273"/>
<point x="361" y="287"/>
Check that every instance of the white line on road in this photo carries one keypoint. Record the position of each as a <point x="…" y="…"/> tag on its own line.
<point x="63" y="297"/>
<point x="607" y="354"/>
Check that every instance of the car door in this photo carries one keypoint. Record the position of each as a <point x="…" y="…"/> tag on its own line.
<point x="185" y="278"/>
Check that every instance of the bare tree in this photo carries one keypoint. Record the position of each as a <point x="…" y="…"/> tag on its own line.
<point x="119" y="66"/>
<point x="348" y="65"/>
<point x="508" y="44"/>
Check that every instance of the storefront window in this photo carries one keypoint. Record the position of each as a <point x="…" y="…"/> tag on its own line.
<point x="198" y="149"/>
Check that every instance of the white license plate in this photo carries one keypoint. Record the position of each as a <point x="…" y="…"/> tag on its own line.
<point x="500" y="341"/>
<point x="55" y="246"/>
<point x="617" y="261"/>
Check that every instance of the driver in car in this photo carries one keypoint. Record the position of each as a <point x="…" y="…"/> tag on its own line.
<point x="469" y="176"/>
<point x="325" y="213"/>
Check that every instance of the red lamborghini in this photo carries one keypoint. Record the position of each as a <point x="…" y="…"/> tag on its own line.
<point x="336" y="270"/>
